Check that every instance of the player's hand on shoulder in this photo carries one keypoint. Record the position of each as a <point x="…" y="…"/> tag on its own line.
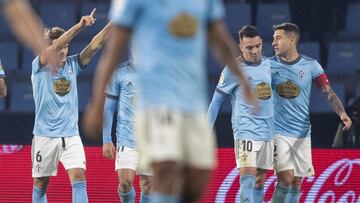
<point x="109" y="151"/>
<point x="346" y="121"/>
<point x="88" y="20"/>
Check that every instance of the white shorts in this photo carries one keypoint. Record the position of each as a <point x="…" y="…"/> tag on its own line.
<point x="258" y="154"/>
<point x="46" y="152"/>
<point x="293" y="154"/>
<point x="128" y="158"/>
<point x="165" y="135"/>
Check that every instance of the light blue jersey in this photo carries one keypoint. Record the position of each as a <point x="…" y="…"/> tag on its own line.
<point x="56" y="99"/>
<point x="170" y="39"/>
<point x="246" y="123"/>
<point x="291" y="84"/>
<point x="2" y="72"/>
<point x="122" y="89"/>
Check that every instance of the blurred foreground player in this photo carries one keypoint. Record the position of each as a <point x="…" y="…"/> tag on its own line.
<point x="170" y="39"/>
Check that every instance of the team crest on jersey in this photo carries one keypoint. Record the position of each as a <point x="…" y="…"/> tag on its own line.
<point x="221" y="80"/>
<point x="183" y="26"/>
<point x="288" y="90"/>
<point x="263" y="91"/>
<point x="62" y="86"/>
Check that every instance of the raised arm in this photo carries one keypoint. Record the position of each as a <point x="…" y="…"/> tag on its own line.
<point x="62" y="41"/>
<point x="225" y="51"/>
<point x="95" y="44"/>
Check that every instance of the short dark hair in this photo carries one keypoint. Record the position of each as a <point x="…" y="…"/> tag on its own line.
<point x="289" y="28"/>
<point x="53" y="33"/>
<point x="248" y="31"/>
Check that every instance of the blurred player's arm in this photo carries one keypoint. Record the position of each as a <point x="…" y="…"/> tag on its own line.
<point x="323" y="83"/>
<point x="109" y="109"/>
<point x="3" y="88"/>
<point x="95" y="44"/>
<point x="225" y="51"/>
<point x="62" y="41"/>
<point x="25" y="24"/>
<point x="114" y="49"/>
<point x="214" y="107"/>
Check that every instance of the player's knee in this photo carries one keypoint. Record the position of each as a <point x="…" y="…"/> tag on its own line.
<point x="296" y="182"/>
<point x="41" y="182"/>
<point x="260" y="178"/>
<point x="146" y="185"/>
<point x="286" y="181"/>
<point x="125" y="185"/>
<point x="77" y="174"/>
<point x="260" y="182"/>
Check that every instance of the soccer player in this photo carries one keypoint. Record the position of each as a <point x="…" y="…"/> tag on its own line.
<point x="56" y="134"/>
<point x="27" y="27"/>
<point x="170" y="47"/>
<point x="253" y="131"/>
<point x="3" y="88"/>
<point x="292" y="76"/>
<point x="120" y="93"/>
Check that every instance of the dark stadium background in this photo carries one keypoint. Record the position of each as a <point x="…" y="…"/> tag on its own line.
<point x="330" y="33"/>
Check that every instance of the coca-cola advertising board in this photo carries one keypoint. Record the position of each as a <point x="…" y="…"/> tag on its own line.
<point x="337" y="178"/>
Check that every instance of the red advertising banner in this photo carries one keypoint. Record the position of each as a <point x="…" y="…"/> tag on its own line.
<point x="337" y="178"/>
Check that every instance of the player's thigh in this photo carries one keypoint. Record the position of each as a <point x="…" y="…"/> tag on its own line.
<point x="303" y="158"/>
<point x="45" y="154"/>
<point x="73" y="154"/>
<point x="283" y="159"/>
<point x="126" y="176"/>
<point x="199" y="141"/>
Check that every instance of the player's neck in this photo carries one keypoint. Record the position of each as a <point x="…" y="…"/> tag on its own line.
<point x="290" y="56"/>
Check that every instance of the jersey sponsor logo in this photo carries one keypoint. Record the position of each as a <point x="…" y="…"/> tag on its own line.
<point x="62" y="86"/>
<point x="263" y="91"/>
<point x="183" y="26"/>
<point x="288" y="90"/>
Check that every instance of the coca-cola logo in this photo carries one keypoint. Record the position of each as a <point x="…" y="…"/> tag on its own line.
<point x="338" y="182"/>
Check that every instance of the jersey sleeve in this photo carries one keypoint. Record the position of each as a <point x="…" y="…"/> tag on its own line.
<point x="216" y="11"/>
<point x="227" y="82"/>
<point x="36" y="66"/>
<point x="113" y="88"/>
<point x="316" y="70"/>
<point x="124" y="12"/>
